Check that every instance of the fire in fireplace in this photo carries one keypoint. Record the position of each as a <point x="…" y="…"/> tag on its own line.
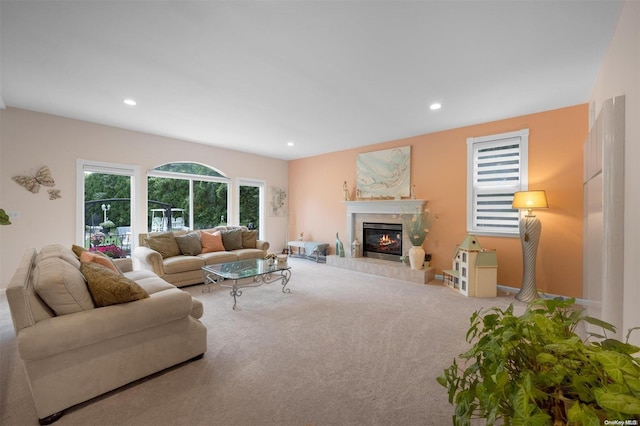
<point x="382" y="240"/>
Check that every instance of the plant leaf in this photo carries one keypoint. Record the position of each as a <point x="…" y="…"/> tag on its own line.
<point x="599" y="323"/>
<point x="618" y="402"/>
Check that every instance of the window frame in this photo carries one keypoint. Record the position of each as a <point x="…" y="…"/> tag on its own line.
<point x="190" y="177"/>
<point x="132" y="171"/>
<point x="258" y="183"/>
<point x="521" y="137"/>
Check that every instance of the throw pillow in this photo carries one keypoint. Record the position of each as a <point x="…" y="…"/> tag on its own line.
<point x="110" y="288"/>
<point x="61" y="286"/>
<point x="77" y="250"/>
<point x="164" y="243"/>
<point x="232" y="239"/>
<point x="58" y="250"/>
<point x="189" y="244"/>
<point x="211" y="242"/>
<point x="249" y="239"/>
<point x="87" y="256"/>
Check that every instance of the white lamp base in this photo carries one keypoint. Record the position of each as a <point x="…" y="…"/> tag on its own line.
<point x="530" y="229"/>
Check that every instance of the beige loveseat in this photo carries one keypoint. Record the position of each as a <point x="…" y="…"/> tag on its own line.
<point x="186" y="269"/>
<point x="72" y="351"/>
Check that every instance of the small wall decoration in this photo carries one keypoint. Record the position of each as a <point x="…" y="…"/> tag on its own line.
<point x="42" y="177"/>
<point x="384" y="173"/>
<point x="278" y="202"/>
<point x="54" y="194"/>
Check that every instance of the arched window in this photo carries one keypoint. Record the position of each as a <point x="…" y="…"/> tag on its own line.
<point x="185" y="195"/>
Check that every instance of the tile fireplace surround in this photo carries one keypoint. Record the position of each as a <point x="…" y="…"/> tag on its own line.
<point x="388" y="211"/>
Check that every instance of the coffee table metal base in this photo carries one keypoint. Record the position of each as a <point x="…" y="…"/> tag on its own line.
<point x="283" y="276"/>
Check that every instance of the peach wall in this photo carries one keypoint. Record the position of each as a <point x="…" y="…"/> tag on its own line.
<point x="438" y="168"/>
<point x="29" y="140"/>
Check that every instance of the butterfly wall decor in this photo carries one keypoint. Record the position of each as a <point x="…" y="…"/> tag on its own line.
<point x="32" y="183"/>
<point x="54" y="194"/>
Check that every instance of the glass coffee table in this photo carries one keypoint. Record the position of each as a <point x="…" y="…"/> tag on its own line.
<point x="252" y="272"/>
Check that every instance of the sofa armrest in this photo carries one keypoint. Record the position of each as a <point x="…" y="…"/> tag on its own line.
<point x="150" y="260"/>
<point x="124" y="264"/>
<point x="72" y="331"/>
<point x="262" y="245"/>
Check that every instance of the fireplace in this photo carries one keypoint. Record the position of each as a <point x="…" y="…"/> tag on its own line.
<point x="382" y="240"/>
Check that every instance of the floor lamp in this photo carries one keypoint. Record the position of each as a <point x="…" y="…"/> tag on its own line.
<point x="530" y="229"/>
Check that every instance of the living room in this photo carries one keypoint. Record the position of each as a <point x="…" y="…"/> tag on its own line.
<point x="30" y="139"/>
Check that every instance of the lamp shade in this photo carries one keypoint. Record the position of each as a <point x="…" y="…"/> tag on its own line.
<point x="530" y="200"/>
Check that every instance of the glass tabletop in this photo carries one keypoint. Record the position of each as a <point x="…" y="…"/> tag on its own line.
<point x="244" y="269"/>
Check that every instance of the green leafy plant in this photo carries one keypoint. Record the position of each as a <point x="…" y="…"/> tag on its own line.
<point x="4" y="218"/>
<point x="534" y="369"/>
<point x="417" y="226"/>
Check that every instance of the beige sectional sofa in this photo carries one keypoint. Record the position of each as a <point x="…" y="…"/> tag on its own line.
<point x="73" y="351"/>
<point x="182" y="269"/>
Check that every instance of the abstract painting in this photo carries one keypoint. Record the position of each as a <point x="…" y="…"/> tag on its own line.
<point x="385" y="173"/>
<point x="278" y="202"/>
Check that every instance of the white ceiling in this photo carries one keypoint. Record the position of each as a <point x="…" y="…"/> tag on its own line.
<point x="327" y="75"/>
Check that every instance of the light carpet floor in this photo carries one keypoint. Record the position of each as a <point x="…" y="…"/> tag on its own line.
<point x="344" y="348"/>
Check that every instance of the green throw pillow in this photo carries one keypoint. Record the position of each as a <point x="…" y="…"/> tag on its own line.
<point x="232" y="239"/>
<point x="189" y="244"/>
<point x="164" y="243"/>
<point x="110" y="288"/>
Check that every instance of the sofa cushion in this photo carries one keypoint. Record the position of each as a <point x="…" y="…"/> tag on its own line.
<point x="218" y="257"/>
<point x="110" y="288"/>
<point x="232" y="239"/>
<point x="164" y="243"/>
<point x="61" y="286"/>
<point x="189" y="244"/>
<point x="87" y="256"/>
<point x="245" y="254"/>
<point x="211" y="242"/>
<point x="249" y="239"/>
<point x="60" y="251"/>
<point x="177" y="264"/>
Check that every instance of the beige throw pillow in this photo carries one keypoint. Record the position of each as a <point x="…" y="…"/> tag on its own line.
<point x="164" y="243"/>
<point x="61" y="286"/>
<point x="249" y="239"/>
<point x="110" y="288"/>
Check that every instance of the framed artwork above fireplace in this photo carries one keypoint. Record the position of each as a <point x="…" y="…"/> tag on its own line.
<point x="384" y="173"/>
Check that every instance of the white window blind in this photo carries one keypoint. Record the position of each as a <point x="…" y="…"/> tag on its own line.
<point x="497" y="168"/>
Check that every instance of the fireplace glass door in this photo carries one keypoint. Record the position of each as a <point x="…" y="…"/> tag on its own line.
<point x="382" y="240"/>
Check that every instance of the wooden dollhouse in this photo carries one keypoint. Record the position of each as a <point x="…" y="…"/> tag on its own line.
<point x="475" y="270"/>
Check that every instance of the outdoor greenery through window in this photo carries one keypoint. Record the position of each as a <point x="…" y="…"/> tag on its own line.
<point x="107" y="210"/>
<point x="186" y="196"/>
<point x="497" y="168"/>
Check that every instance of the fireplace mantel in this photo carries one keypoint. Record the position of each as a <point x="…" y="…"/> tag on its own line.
<point x="384" y="206"/>
<point x="373" y="207"/>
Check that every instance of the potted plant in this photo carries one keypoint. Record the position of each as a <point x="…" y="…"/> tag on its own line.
<point x="4" y="218"/>
<point x="534" y="369"/>
<point x="107" y="226"/>
<point x="417" y="228"/>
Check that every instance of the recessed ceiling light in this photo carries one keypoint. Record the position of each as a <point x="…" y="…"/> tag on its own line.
<point x="435" y="106"/>
<point x="130" y="102"/>
<point x="290" y="143"/>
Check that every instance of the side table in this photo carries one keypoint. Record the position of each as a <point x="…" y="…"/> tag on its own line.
<point x="308" y="249"/>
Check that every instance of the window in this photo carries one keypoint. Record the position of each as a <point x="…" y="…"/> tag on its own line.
<point x="186" y="196"/>
<point x="496" y="169"/>
<point x="251" y="204"/>
<point x="106" y="207"/>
